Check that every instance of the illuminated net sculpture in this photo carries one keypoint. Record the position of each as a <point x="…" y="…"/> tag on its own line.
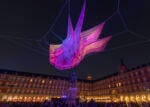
<point x="77" y="44"/>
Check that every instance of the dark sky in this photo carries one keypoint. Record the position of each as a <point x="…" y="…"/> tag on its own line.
<point x="24" y="22"/>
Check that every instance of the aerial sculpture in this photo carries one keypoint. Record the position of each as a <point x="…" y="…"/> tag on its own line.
<point x="77" y="44"/>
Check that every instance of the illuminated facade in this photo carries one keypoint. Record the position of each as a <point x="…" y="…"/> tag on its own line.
<point x="126" y="85"/>
<point x="25" y="87"/>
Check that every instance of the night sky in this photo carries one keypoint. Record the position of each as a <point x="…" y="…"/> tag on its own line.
<point x="24" y="41"/>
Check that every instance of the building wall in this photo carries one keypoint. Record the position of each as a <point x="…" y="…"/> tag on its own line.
<point x="130" y="85"/>
<point x="133" y="85"/>
<point x="27" y="88"/>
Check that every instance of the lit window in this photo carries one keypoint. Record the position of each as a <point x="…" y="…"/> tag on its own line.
<point x="119" y="84"/>
<point x="43" y="81"/>
<point x="32" y="91"/>
<point x="31" y="80"/>
<point x="50" y="81"/>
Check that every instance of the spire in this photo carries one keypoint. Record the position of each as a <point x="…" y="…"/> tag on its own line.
<point x="122" y="61"/>
<point x="122" y="68"/>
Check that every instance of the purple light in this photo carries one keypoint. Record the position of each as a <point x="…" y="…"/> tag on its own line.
<point x="64" y="96"/>
<point x="77" y="44"/>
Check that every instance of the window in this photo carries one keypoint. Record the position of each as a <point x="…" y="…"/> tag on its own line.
<point x="8" y="90"/>
<point x="43" y="81"/>
<point x="18" y="90"/>
<point x="13" y="90"/>
<point x="22" y="91"/>
<point x="27" y="91"/>
<point x="31" y="80"/>
<point x="32" y="92"/>
<point x="137" y="73"/>
<point x="139" y="80"/>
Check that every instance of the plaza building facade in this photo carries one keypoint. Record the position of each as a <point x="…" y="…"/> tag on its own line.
<point x="124" y="86"/>
<point x="27" y="87"/>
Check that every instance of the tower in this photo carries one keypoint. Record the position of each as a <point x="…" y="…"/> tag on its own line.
<point x="122" y="68"/>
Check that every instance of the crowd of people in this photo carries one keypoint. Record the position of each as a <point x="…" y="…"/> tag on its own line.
<point x="92" y="103"/>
